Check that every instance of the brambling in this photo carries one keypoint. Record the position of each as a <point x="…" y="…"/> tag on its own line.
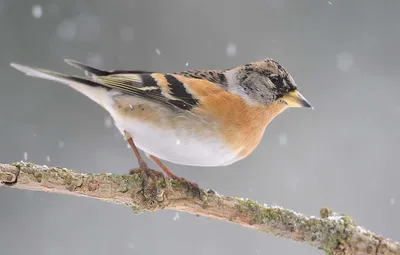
<point x="197" y="117"/>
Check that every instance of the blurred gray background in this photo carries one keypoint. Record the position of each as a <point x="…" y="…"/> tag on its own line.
<point x="344" y="55"/>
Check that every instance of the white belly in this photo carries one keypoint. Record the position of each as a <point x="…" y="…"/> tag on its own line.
<point x="179" y="146"/>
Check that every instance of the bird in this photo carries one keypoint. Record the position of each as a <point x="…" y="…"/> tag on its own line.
<point x="203" y="118"/>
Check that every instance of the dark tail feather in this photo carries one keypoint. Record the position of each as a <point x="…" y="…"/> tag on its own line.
<point x="99" y="72"/>
<point x="87" y="68"/>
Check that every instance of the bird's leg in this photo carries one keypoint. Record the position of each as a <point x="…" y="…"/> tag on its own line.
<point x="191" y="186"/>
<point x="143" y="168"/>
<point x="163" y="167"/>
<point x="142" y="164"/>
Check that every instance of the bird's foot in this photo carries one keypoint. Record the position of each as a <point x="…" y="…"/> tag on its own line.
<point x="150" y="189"/>
<point x="192" y="188"/>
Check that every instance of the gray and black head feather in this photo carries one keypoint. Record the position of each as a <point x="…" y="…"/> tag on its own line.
<point x="264" y="81"/>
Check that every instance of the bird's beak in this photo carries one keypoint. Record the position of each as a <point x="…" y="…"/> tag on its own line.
<point x="295" y="99"/>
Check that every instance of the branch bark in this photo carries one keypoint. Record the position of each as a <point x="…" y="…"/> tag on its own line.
<point x="333" y="233"/>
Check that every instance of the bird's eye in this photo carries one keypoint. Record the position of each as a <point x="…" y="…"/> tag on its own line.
<point x="277" y="81"/>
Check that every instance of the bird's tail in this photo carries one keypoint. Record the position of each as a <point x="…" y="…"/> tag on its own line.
<point x="86" y="68"/>
<point x="87" y="86"/>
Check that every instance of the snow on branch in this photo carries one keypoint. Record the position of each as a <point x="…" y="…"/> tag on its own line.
<point x="331" y="232"/>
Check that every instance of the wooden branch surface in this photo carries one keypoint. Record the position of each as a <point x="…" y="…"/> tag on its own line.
<point x="333" y="233"/>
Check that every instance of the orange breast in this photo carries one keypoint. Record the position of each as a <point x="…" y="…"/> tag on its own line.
<point x="241" y="125"/>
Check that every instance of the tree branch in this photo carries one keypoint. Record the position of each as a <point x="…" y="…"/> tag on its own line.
<point x="333" y="233"/>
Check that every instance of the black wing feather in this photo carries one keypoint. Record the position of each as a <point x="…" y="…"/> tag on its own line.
<point x="142" y="84"/>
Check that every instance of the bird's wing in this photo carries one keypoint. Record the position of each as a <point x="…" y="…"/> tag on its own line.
<point x="216" y="76"/>
<point x="183" y="90"/>
<point x="158" y="87"/>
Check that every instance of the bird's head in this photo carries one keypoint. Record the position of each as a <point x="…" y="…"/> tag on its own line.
<point x="267" y="82"/>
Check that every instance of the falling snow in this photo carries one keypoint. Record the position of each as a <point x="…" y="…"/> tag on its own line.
<point x="231" y="50"/>
<point x="37" y="11"/>
<point x="158" y="51"/>
<point x="25" y="156"/>
<point x="108" y="122"/>
<point x="282" y="139"/>
<point x="344" y="61"/>
<point x="392" y="201"/>
<point x="178" y="142"/>
<point x="186" y="64"/>
<point x="48" y="158"/>
<point x="330" y="3"/>
<point x="176" y="216"/>
<point x="60" y="144"/>
<point x="126" y="34"/>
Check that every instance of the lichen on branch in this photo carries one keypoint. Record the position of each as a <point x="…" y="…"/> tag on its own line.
<point x="332" y="233"/>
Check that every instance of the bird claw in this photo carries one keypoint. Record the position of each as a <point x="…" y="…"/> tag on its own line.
<point x="149" y="189"/>
<point x="192" y="188"/>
